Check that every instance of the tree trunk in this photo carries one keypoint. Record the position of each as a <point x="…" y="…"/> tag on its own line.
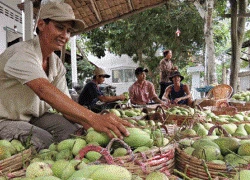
<point x="209" y="49"/>
<point x="224" y="74"/>
<point x="81" y="51"/>
<point x="237" y="33"/>
<point x="206" y="12"/>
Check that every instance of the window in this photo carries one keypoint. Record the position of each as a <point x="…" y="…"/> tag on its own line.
<point x="1" y="9"/>
<point x="123" y="75"/>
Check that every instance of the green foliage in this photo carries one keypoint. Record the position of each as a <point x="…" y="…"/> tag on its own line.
<point x="149" y="31"/>
<point x="84" y="71"/>
<point x="222" y="39"/>
<point x="95" y="41"/>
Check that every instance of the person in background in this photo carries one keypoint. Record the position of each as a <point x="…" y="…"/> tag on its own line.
<point x="142" y="92"/>
<point x="166" y="68"/>
<point x="177" y="93"/>
<point x="93" y="98"/>
<point x="33" y="81"/>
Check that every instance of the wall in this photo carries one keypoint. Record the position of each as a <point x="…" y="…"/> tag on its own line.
<point x="9" y="17"/>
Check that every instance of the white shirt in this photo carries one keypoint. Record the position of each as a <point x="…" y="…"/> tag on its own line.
<point x="20" y="64"/>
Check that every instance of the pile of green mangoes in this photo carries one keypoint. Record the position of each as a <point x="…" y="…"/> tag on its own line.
<point x="184" y="111"/>
<point x="9" y="148"/>
<point x="61" y="160"/>
<point x="201" y="129"/>
<point x="242" y="96"/>
<point x="124" y="113"/>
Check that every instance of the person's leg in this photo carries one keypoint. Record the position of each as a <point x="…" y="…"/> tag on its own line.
<point x="58" y="126"/>
<point x="22" y="131"/>
<point x="162" y="89"/>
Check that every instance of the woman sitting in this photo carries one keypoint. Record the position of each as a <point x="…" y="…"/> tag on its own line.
<point x="177" y="93"/>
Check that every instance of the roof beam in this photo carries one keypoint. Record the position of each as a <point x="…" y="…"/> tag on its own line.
<point x="123" y="16"/>
<point x="131" y="5"/>
<point x="97" y="13"/>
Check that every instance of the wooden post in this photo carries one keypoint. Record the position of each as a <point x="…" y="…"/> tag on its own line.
<point x="27" y="16"/>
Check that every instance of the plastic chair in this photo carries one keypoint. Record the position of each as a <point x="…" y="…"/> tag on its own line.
<point x="217" y="96"/>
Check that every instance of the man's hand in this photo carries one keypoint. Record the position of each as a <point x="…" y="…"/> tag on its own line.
<point x="177" y="100"/>
<point x="109" y="123"/>
<point x="122" y="97"/>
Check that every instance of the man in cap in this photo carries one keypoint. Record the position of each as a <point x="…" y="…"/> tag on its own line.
<point x="142" y="92"/>
<point x="177" y="93"/>
<point x="93" y="98"/>
<point x="33" y="80"/>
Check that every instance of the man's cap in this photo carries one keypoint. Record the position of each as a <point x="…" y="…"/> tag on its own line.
<point x="100" y="71"/>
<point x="175" y="73"/>
<point x="61" y="12"/>
<point x="139" y="70"/>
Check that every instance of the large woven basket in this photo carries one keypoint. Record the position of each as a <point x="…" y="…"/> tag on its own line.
<point x="230" y="110"/>
<point x="14" y="163"/>
<point x="195" y="168"/>
<point x="179" y="120"/>
<point x="239" y="104"/>
<point x="157" y="159"/>
<point x="198" y="168"/>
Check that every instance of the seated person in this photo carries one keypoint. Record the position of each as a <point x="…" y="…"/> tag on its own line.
<point x="177" y="93"/>
<point x="142" y="92"/>
<point x="93" y="98"/>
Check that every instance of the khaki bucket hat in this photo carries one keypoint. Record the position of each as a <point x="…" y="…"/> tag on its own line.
<point x="100" y="71"/>
<point x="61" y="12"/>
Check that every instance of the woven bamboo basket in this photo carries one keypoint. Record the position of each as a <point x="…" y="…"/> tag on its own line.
<point x="14" y="163"/>
<point x="195" y="168"/>
<point x="217" y="96"/>
<point x="241" y="107"/>
<point x="198" y="168"/>
<point x="157" y="159"/>
<point x="178" y="120"/>
<point x="240" y="104"/>
<point x="230" y="110"/>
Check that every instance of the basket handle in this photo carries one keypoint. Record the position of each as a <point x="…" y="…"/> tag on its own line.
<point x="223" y="104"/>
<point x="210" y="131"/>
<point x="103" y="151"/>
<point x="125" y="145"/>
<point x="164" y="116"/>
<point x="105" y="111"/>
<point x="121" y="106"/>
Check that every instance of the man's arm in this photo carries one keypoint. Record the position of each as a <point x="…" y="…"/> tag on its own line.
<point x="111" y="98"/>
<point x="74" y="111"/>
<point x="165" y="96"/>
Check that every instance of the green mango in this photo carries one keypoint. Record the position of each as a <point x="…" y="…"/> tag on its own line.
<point x="116" y="112"/>
<point x="240" y="131"/>
<point x="239" y="117"/>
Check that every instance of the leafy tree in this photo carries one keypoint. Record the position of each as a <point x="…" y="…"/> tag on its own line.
<point x="141" y="36"/>
<point x="84" y="71"/>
